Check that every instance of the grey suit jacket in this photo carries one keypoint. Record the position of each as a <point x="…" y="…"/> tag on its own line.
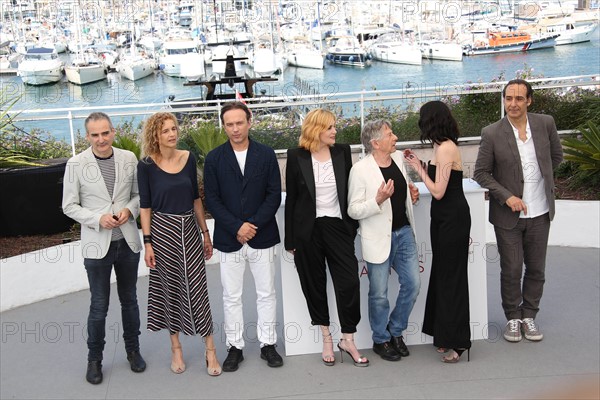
<point x="498" y="167"/>
<point x="85" y="199"/>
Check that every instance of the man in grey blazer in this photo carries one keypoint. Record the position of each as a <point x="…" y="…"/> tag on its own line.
<point x="515" y="163"/>
<point x="100" y="192"/>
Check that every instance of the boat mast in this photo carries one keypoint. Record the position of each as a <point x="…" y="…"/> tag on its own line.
<point x="216" y="27"/>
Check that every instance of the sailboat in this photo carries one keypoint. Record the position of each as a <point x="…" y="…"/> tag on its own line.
<point x="134" y="66"/>
<point x="86" y="67"/>
<point x="302" y="53"/>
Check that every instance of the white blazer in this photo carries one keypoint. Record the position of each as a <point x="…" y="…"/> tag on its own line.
<point x="375" y="220"/>
<point x="85" y="199"/>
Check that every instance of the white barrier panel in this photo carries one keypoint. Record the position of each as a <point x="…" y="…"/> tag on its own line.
<point x="302" y="338"/>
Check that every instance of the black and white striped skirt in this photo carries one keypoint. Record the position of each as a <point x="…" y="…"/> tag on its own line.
<point x="178" y="292"/>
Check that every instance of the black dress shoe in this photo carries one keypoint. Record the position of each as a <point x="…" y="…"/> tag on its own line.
<point x="269" y="353"/>
<point x="234" y="358"/>
<point x="94" y="372"/>
<point x="398" y="344"/>
<point x="386" y="351"/>
<point x="136" y="361"/>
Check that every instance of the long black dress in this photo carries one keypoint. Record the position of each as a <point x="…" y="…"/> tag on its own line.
<point x="447" y="306"/>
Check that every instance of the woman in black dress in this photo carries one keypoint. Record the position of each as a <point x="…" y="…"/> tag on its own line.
<point x="176" y="240"/>
<point x="447" y="306"/>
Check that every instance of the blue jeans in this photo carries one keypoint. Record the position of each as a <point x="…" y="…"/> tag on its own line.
<point x="404" y="260"/>
<point x="125" y="263"/>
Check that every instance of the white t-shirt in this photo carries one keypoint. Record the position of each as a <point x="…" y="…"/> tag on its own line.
<point x="241" y="158"/>
<point x="326" y="189"/>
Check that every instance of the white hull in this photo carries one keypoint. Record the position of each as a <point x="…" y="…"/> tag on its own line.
<point x="264" y="62"/>
<point x="579" y="34"/>
<point x="136" y="68"/>
<point x="40" y="66"/>
<point x="189" y="66"/>
<point x="345" y="50"/>
<point x="306" y="59"/>
<point x="40" y="76"/>
<point x="533" y="44"/>
<point x="442" y="51"/>
<point x="82" y="75"/>
<point x="397" y="53"/>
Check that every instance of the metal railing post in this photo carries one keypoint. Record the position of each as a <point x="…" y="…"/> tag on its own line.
<point x="362" y="120"/>
<point x="70" y="118"/>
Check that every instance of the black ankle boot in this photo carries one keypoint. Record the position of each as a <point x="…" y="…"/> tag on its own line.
<point x="94" y="372"/>
<point x="136" y="361"/>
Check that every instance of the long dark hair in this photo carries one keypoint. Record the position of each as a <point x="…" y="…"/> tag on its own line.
<point x="437" y="123"/>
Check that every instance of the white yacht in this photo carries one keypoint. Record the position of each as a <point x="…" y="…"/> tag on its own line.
<point x="180" y="58"/>
<point x="86" y="68"/>
<point x="302" y="53"/>
<point x="571" y="33"/>
<point x="441" y="50"/>
<point x="40" y="66"/>
<point x="393" y="48"/>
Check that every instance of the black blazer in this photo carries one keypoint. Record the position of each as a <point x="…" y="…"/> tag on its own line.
<point x="233" y="198"/>
<point x="300" y="200"/>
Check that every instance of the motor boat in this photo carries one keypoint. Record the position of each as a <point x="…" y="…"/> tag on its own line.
<point x="180" y="58"/>
<point x="510" y="41"/>
<point x="40" y="66"/>
<point x="345" y="50"/>
<point x="571" y="33"/>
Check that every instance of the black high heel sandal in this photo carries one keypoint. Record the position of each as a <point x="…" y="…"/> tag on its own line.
<point x="361" y="362"/>
<point x="454" y="360"/>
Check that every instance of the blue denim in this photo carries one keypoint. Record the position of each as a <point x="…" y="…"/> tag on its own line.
<point x="125" y="263"/>
<point x="404" y="260"/>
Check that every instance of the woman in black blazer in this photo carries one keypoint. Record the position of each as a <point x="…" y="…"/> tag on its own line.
<point x="318" y="229"/>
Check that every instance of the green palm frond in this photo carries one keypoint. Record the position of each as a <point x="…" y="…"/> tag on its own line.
<point x="585" y="150"/>
<point x="207" y="136"/>
<point x="12" y="158"/>
<point x="128" y="143"/>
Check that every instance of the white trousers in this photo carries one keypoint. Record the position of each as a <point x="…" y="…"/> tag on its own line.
<point x="262" y="266"/>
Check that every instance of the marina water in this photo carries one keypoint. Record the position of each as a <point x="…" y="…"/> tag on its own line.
<point x="578" y="59"/>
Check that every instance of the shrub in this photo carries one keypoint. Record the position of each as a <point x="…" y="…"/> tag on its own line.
<point x="200" y="137"/>
<point x="584" y="150"/>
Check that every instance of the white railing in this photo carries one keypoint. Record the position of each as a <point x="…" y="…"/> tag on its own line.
<point x="412" y="93"/>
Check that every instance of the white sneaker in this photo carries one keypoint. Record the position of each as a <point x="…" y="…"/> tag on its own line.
<point x="512" y="333"/>
<point x="531" y="331"/>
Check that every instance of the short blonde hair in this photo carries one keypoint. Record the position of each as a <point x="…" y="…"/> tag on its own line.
<point x="315" y="122"/>
<point x="151" y="131"/>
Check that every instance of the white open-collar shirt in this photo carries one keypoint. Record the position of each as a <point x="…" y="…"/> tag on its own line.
<point x="534" y="194"/>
